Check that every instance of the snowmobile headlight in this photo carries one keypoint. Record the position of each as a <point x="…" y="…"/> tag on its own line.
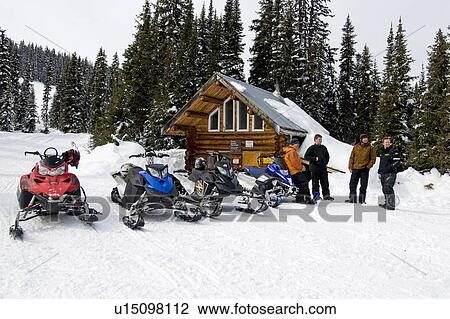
<point x="223" y="171"/>
<point x="52" y="172"/>
<point x="42" y="170"/>
<point x="153" y="172"/>
<point x="164" y="173"/>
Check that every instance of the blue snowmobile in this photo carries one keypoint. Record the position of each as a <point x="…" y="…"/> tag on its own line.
<point x="273" y="183"/>
<point x="141" y="191"/>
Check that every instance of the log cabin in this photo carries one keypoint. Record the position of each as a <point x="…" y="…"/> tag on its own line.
<point x="236" y="118"/>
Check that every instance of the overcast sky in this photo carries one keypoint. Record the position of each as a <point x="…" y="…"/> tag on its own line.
<point x="86" y="25"/>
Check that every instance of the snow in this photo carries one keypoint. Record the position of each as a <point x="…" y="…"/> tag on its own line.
<point x="233" y="256"/>
<point x="238" y="86"/>
<point x="339" y="151"/>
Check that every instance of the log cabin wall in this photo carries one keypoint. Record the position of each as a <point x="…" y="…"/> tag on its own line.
<point x="243" y="147"/>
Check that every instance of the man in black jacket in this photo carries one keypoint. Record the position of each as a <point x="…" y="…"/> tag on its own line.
<point x="387" y="172"/>
<point x="318" y="157"/>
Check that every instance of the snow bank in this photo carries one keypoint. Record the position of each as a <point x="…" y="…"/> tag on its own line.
<point x="108" y="158"/>
<point x="339" y="151"/>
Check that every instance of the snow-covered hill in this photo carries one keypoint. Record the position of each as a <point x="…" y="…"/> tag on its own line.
<point x="232" y="256"/>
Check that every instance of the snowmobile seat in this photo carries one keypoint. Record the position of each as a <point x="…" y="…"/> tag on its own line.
<point x="254" y="171"/>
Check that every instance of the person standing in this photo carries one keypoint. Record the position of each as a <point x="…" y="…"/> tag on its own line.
<point x="361" y="160"/>
<point x="390" y="162"/>
<point x="296" y="169"/>
<point x="318" y="157"/>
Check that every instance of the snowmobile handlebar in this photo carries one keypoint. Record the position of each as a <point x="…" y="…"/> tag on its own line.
<point x="34" y="153"/>
<point x="149" y="154"/>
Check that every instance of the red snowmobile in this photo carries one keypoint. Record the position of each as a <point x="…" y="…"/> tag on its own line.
<point x="50" y="189"/>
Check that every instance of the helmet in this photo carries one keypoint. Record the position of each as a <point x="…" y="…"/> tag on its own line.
<point x="72" y="157"/>
<point x="125" y="168"/>
<point x="200" y="163"/>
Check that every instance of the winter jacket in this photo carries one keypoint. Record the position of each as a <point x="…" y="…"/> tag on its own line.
<point x="318" y="157"/>
<point x="363" y="156"/>
<point x="389" y="161"/>
<point x="293" y="160"/>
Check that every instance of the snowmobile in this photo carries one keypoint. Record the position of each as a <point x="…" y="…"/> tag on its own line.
<point x="211" y="186"/>
<point x="50" y="189"/>
<point x="273" y="183"/>
<point x="142" y="191"/>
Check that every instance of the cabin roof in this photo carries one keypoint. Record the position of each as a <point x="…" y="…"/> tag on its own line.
<point x="273" y="108"/>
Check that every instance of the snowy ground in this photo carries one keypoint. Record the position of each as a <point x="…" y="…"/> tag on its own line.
<point x="408" y="256"/>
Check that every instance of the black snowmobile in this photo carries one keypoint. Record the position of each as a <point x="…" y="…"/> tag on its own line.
<point x="211" y="186"/>
<point x="142" y="191"/>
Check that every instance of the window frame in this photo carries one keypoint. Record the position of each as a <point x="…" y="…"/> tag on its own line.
<point x="217" y="110"/>
<point x="225" y="115"/>
<point x="253" y="124"/>
<point x="238" y="115"/>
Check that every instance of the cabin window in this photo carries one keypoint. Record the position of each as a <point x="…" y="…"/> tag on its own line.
<point x="213" y="121"/>
<point x="242" y="116"/>
<point x="258" y="123"/>
<point x="228" y="118"/>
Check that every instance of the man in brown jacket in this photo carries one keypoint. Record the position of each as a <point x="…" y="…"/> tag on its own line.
<point x="296" y="169"/>
<point x="361" y="161"/>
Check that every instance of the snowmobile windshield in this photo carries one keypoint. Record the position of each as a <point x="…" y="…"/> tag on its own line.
<point x="158" y="170"/>
<point x="52" y="162"/>
<point x="224" y="168"/>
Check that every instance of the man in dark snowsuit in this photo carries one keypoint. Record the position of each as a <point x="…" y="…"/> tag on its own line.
<point x="361" y="160"/>
<point x="318" y="158"/>
<point x="387" y="172"/>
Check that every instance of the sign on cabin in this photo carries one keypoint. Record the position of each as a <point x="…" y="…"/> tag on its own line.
<point x="235" y="146"/>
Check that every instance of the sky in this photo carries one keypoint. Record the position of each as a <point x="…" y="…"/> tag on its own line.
<point x="86" y="25"/>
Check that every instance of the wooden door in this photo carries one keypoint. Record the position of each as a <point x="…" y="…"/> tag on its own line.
<point x="250" y="158"/>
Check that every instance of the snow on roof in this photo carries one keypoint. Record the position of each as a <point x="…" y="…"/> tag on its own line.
<point x="285" y="113"/>
<point x="239" y="87"/>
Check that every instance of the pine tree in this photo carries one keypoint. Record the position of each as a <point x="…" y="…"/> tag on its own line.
<point x="347" y="107"/>
<point x="215" y="26"/>
<point x="394" y="110"/>
<point x="431" y="144"/>
<point x="72" y="119"/>
<point x="233" y="47"/>
<point x="276" y="63"/>
<point x="260" y="62"/>
<point x="6" y="107"/>
<point x="140" y="67"/>
<point x="203" y="33"/>
<point x="312" y="57"/>
<point x="26" y="89"/>
<point x="404" y="106"/>
<point x="113" y="121"/>
<point x="287" y="66"/>
<point x="29" y="125"/>
<point x="46" y="95"/>
<point x="14" y="83"/>
<point x="365" y="93"/>
<point x="98" y="90"/>
<point x="187" y="73"/>
<point x="331" y="96"/>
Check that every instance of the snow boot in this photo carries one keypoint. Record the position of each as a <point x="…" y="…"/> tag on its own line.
<point x="316" y="196"/>
<point x="328" y="197"/>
